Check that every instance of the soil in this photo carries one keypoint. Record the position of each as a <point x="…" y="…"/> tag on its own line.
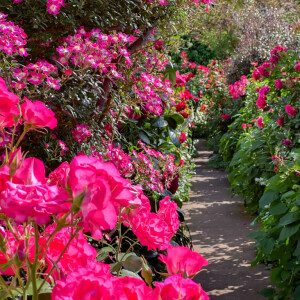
<point x="219" y="226"/>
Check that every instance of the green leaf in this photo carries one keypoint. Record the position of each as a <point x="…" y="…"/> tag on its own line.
<point x="173" y="137"/>
<point x="297" y="293"/>
<point x="267" y="198"/>
<point x="144" y="137"/>
<point x="278" y="209"/>
<point x="267" y="292"/>
<point x="103" y="253"/>
<point x="178" y="118"/>
<point x="267" y="245"/>
<point x="160" y="122"/>
<point x="129" y="273"/>
<point x="288" y="231"/>
<point x="288" y="219"/>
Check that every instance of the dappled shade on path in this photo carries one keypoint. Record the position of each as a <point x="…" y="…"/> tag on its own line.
<point x="219" y="227"/>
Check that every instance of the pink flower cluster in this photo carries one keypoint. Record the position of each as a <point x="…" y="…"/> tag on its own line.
<point x="36" y="74"/>
<point x="149" y="175"/>
<point x="239" y="87"/>
<point x="118" y="157"/>
<point x="150" y="91"/>
<point x="262" y="99"/>
<point x="12" y="38"/>
<point x="81" y="133"/>
<point x="95" y="50"/>
<point x="53" y="6"/>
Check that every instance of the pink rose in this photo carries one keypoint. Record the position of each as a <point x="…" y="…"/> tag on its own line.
<point x="37" y="202"/>
<point x="181" y="260"/>
<point x="175" y="287"/>
<point x="297" y="67"/>
<point x="90" y="283"/>
<point x="278" y="84"/>
<point x="168" y="212"/>
<point x="261" y="102"/>
<point x="79" y="253"/>
<point x="60" y="175"/>
<point x="37" y="114"/>
<point x="134" y="288"/>
<point x="287" y="142"/>
<point x="280" y="121"/>
<point x="290" y="110"/>
<point x="103" y="192"/>
<point x="8" y="106"/>
<point x="182" y="137"/>
<point x="260" y="123"/>
<point x="152" y="230"/>
<point x="225" y="117"/>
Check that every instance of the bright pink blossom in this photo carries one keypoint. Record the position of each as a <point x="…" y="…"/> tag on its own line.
<point x="78" y="254"/>
<point x="260" y="123"/>
<point x="152" y="230"/>
<point x="181" y="260"/>
<point x="287" y="142"/>
<point x="278" y="84"/>
<point x="8" y="106"/>
<point x="280" y="121"/>
<point x="290" y="110"/>
<point x="37" y="114"/>
<point x="225" y="117"/>
<point x="175" y="287"/>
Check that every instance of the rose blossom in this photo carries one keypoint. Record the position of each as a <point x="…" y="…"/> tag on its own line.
<point x="152" y="230"/>
<point x="181" y="260"/>
<point x="287" y="142"/>
<point x="79" y="253"/>
<point x="278" y="84"/>
<point x="8" y="106"/>
<point x="37" y="202"/>
<point x="290" y="110"/>
<point x="280" y="121"/>
<point x="37" y="114"/>
<point x="175" y="287"/>
<point x="260" y="123"/>
<point x="168" y="212"/>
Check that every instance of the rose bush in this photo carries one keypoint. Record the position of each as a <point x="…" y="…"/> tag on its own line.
<point x="93" y="172"/>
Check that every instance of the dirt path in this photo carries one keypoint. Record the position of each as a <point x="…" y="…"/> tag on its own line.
<point x="219" y="226"/>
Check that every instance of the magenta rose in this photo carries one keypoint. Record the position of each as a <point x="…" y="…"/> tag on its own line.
<point x="280" y="121"/>
<point x="152" y="230"/>
<point x="168" y="212"/>
<point x="182" y="260"/>
<point x="175" y="287"/>
<point x="278" y="84"/>
<point x="79" y="253"/>
<point x="90" y="283"/>
<point x="290" y="110"/>
<point x="8" y="106"/>
<point x="37" y="114"/>
<point x="37" y="202"/>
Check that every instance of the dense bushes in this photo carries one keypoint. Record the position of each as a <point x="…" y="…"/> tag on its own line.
<point x="261" y="147"/>
<point x="95" y="154"/>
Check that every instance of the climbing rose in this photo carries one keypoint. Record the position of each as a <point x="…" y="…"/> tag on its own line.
<point x="278" y="84"/>
<point x="181" y="260"/>
<point x="175" y="287"/>
<point x="297" y="67"/>
<point x="290" y="110"/>
<point x="37" y="114"/>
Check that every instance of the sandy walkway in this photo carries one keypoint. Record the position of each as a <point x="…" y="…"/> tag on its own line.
<point x="219" y="226"/>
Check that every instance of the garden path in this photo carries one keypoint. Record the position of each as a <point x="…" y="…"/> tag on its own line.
<point x="219" y="227"/>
